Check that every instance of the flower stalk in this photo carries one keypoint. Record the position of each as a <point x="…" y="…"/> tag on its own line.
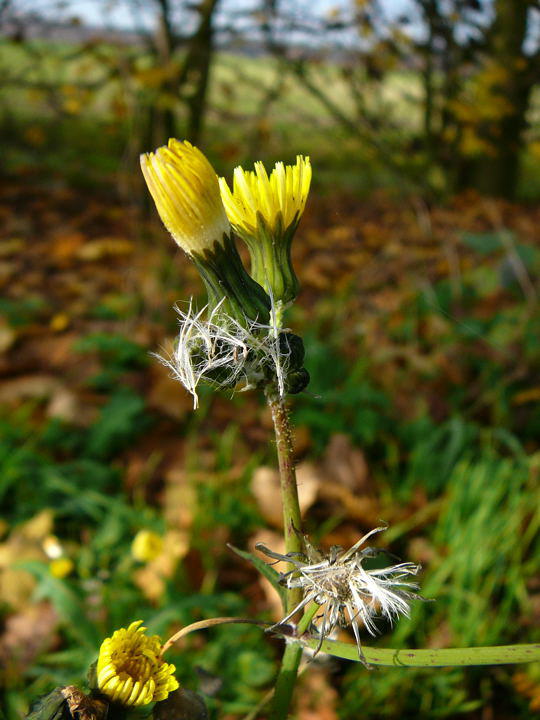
<point x="292" y="523"/>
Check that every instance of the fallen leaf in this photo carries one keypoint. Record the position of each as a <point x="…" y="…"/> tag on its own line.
<point x="26" y="635"/>
<point x="104" y="247"/>
<point x="167" y="394"/>
<point x="7" y="336"/>
<point x="265" y="487"/>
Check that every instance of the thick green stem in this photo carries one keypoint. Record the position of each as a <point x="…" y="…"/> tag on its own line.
<point x="445" y="657"/>
<point x="293" y="543"/>
<point x="292" y="522"/>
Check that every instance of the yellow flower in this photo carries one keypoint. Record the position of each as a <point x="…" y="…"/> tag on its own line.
<point x="130" y="669"/>
<point x="279" y="199"/>
<point x="186" y="193"/>
<point x="61" y="567"/>
<point x="146" y="546"/>
<point x="265" y="211"/>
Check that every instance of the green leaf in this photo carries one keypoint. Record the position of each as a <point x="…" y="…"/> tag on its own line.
<point x="269" y="573"/>
<point x="483" y="243"/>
<point x="66" y="601"/>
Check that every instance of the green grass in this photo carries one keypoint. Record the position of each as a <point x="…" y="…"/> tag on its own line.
<point x="482" y="543"/>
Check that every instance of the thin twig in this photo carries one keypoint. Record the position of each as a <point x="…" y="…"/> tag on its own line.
<point x="203" y="624"/>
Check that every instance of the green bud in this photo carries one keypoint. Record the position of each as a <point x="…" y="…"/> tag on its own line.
<point x="297" y="381"/>
<point x="229" y="285"/>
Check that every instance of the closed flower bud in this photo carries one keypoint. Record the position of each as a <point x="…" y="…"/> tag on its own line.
<point x="186" y="192"/>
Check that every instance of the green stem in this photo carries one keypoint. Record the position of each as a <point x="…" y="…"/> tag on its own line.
<point x="452" y="657"/>
<point x="292" y="524"/>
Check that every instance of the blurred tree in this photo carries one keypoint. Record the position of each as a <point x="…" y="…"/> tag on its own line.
<point x="435" y="93"/>
<point x="496" y="170"/>
<point x="188" y="79"/>
<point x="478" y="61"/>
<point x="480" y="64"/>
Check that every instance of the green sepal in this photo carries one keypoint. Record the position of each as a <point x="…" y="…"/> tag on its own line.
<point x="91" y="676"/>
<point x="229" y="285"/>
<point x="266" y="570"/>
<point x="181" y="705"/>
<point x="271" y="263"/>
<point x="68" y="703"/>
<point x="50" y="707"/>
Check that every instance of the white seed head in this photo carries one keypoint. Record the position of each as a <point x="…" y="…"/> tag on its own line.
<point x="221" y="351"/>
<point x="348" y="593"/>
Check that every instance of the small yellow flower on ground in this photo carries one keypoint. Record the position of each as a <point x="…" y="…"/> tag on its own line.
<point x="61" y="567"/>
<point x="146" y="546"/>
<point x="130" y="669"/>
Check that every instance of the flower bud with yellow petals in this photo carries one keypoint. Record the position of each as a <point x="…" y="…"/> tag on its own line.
<point x="186" y="193"/>
<point x="265" y="211"/>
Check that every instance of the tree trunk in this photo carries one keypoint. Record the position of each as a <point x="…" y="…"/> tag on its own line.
<point x="497" y="172"/>
<point x="198" y="61"/>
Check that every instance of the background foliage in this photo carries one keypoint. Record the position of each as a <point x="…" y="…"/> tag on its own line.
<point x="419" y="311"/>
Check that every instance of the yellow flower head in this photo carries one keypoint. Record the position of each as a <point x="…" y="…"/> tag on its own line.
<point x="280" y="197"/>
<point x="130" y="670"/>
<point x="146" y="546"/>
<point x="186" y="193"/>
<point x="61" y="567"/>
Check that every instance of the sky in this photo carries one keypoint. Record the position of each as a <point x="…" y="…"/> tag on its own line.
<point x="136" y="15"/>
<point x="127" y="14"/>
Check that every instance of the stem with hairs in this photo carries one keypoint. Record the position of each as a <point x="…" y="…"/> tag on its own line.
<point x="286" y="678"/>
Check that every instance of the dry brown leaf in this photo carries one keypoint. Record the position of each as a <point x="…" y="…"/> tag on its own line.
<point x="265" y="488"/>
<point x="316" y="698"/>
<point x="104" y="247"/>
<point x="64" y="405"/>
<point x="26" y="635"/>
<point x="7" y="336"/>
<point x="65" y="246"/>
<point x="28" y="386"/>
<point x="62" y="402"/>
<point x="168" y="395"/>
<point x="346" y="464"/>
